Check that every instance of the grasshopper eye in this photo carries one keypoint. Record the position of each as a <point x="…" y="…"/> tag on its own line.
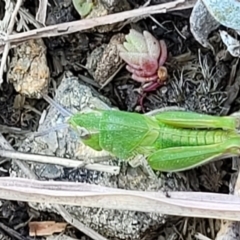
<point x="83" y="132"/>
<point x="86" y="137"/>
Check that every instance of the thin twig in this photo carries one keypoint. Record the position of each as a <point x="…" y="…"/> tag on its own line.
<point x="12" y="232"/>
<point x="74" y="222"/>
<point x="62" y="110"/>
<point x="63" y="29"/>
<point x="85" y="24"/>
<point x="21" y="164"/>
<point x="7" y="46"/>
<point x="59" y="161"/>
<point x="14" y="130"/>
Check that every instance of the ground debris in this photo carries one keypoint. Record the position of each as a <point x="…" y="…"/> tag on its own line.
<point x="104" y="61"/>
<point x="103" y="8"/>
<point x="45" y="228"/>
<point x="67" y="53"/>
<point x="28" y="69"/>
<point x="14" y="217"/>
<point x="202" y="23"/>
<point x="232" y="44"/>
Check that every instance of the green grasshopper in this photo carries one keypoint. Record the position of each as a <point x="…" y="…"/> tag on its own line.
<point x="171" y="141"/>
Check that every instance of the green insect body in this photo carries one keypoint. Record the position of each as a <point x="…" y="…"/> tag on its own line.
<point x="171" y="141"/>
<point x="120" y="133"/>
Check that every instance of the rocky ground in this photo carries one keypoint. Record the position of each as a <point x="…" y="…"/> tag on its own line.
<point x="198" y="79"/>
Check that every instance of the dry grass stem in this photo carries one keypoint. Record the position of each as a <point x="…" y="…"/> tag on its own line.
<point x="192" y="204"/>
<point x="42" y="11"/>
<point x="7" y="46"/>
<point x="59" y="161"/>
<point x="85" y="24"/>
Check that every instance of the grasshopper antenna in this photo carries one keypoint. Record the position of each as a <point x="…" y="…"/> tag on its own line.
<point x="52" y="129"/>
<point x="62" y="110"/>
<point x="53" y="103"/>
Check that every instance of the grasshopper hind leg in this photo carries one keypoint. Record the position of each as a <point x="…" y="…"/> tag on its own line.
<point x="141" y="161"/>
<point x="176" y="159"/>
<point x="177" y="117"/>
<point x="164" y="109"/>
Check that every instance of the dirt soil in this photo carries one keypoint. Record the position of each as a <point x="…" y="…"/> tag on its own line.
<point x="198" y="80"/>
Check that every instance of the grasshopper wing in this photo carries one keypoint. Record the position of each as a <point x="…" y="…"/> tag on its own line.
<point x="126" y="134"/>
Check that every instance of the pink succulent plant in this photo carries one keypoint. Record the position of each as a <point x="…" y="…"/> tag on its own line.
<point x="144" y="55"/>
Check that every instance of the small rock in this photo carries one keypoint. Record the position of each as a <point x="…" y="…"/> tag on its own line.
<point x="28" y="70"/>
<point x="104" y="63"/>
<point x="202" y="23"/>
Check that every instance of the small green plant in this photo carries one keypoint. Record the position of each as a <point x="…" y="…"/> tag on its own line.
<point x="83" y="7"/>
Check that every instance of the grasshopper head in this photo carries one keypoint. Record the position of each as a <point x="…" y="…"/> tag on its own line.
<point x="87" y="125"/>
<point x="88" y="120"/>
